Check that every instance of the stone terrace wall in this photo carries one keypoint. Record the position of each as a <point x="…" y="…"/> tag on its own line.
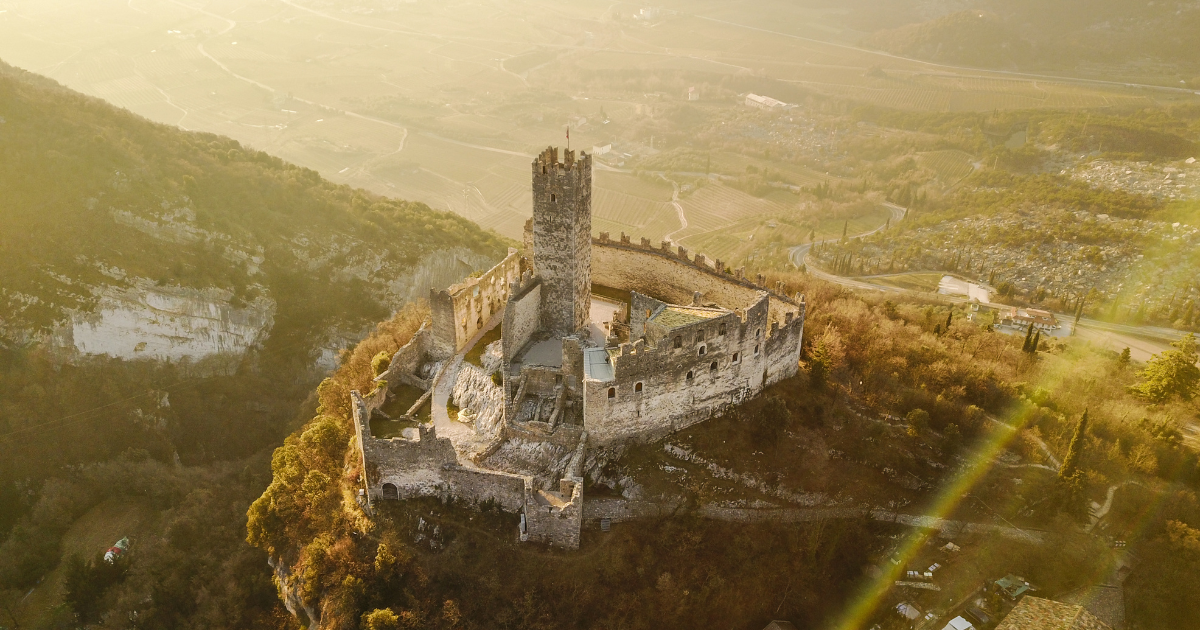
<point x="461" y="311"/>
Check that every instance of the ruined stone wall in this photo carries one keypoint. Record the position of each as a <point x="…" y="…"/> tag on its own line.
<point x="407" y="361"/>
<point x="477" y="486"/>
<point x="414" y="467"/>
<point x="562" y="238"/>
<point x="522" y="315"/>
<point x="556" y="524"/>
<point x="463" y="310"/>
<point x="641" y="309"/>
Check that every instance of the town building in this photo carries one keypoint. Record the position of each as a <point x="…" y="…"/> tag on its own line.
<point x="1023" y="317"/>
<point x="765" y="103"/>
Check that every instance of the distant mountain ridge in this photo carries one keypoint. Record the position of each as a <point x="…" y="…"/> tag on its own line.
<point x="1059" y="34"/>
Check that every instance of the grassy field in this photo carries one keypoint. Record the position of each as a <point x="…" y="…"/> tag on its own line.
<point x="925" y="282"/>
<point x="93" y="533"/>
<point x="950" y="166"/>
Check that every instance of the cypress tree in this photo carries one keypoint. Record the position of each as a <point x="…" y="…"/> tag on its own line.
<point x="845" y="227"/>
<point x="1037" y="338"/>
<point x="1071" y="461"/>
<point x="1028" y="338"/>
<point x="949" y="319"/>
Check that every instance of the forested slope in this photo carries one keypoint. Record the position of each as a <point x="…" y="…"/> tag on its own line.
<point x="110" y="220"/>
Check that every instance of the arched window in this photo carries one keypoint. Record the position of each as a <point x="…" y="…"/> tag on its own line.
<point x="756" y="349"/>
<point x="712" y="367"/>
<point x="553" y="198"/>
<point x="637" y="388"/>
<point x="479" y="322"/>
<point x="758" y="333"/>
<point x="703" y="350"/>
<point x="678" y="341"/>
<point x="737" y="356"/>
<point x="690" y="376"/>
<point x="721" y="330"/>
<point x="612" y="392"/>
<point x="543" y="169"/>
<point x="390" y="491"/>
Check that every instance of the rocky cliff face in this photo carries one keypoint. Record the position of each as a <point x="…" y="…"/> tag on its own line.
<point x="145" y="321"/>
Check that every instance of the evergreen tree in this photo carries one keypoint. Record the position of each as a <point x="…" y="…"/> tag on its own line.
<point x="1125" y="357"/>
<point x="1070" y="463"/>
<point x="845" y="228"/>
<point x="949" y="319"/>
<point x="1028" y="338"/>
<point x="1037" y="339"/>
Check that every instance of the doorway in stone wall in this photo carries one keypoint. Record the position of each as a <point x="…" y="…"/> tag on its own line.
<point x="390" y="492"/>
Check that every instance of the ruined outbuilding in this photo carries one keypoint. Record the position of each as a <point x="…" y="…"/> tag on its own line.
<point x="602" y="342"/>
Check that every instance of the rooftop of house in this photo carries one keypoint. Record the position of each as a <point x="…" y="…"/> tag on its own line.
<point x="1035" y="613"/>
<point x="1013" y="585"/>
<point x="679" y="316"/>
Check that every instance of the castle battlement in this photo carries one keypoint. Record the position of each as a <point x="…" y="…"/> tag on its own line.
<point x="697" y="260"/>
<point x="692" y="340"/>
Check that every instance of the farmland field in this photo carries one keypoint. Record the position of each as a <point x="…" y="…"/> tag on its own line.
<point x="445" y="103"/>
<point x="950" y="166"/>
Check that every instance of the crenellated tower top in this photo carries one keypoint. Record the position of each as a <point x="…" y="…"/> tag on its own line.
<point x="562" y="238"/>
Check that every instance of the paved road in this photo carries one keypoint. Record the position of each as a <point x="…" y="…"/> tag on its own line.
<point x="1142" y="341"/>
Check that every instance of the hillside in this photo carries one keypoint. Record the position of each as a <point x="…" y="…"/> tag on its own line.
<point x="744" y="517"/>
<point x="123" y="239"/>
<point x="171" y="298"/>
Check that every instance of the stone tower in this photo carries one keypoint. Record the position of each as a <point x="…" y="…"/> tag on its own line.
<point x="562" y="238"/>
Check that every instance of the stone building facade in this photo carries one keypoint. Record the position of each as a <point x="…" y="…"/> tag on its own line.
<point x="602" y="342"/>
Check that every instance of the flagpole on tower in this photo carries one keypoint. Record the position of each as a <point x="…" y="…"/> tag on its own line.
<point x="568" y="137"/>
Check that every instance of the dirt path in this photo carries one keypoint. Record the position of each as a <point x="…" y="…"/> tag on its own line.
<point x="683" y="224"/>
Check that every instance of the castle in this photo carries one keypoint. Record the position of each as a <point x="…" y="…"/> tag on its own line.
<point x="601" y="342"/>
